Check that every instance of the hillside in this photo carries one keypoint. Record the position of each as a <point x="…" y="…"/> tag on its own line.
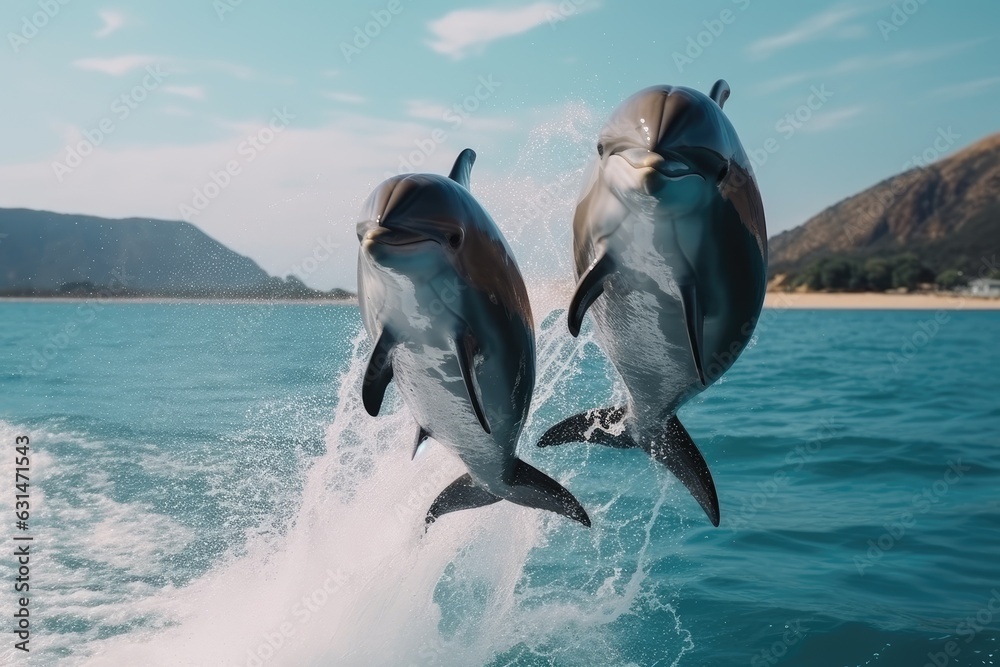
<point x="45" y="254"/>
<point x="945" y="216"/>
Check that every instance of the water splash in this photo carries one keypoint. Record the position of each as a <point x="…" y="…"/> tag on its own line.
<point x="354" y="580"/>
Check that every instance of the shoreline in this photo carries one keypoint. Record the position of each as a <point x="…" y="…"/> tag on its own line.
<point x="773" y="300"/>
<point x="876" y="301"/>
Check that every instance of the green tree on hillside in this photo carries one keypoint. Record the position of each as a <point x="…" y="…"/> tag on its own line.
<point x="835" y="274"/>
<point x="878" y="274"/>
<point x="951" y="279"/>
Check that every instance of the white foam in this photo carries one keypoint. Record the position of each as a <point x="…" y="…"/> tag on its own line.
<point x="354" y="580"/>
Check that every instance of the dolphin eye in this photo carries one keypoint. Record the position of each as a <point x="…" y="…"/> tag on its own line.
<point x="723" y="173"/>
<point x="454" y="240"/>
<point x="600" y="149"/>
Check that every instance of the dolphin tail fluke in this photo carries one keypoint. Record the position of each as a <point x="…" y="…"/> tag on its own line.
<point x="531" y="487"/>
<point x="462" y="494"/>
<point x="603" y="426"/>
<point x="678" y="452"/>
<point x="674" y="449"/>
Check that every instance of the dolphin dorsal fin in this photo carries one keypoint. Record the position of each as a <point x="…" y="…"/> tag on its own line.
<point x="462" y="169"/>
<point x="720" y="92"/>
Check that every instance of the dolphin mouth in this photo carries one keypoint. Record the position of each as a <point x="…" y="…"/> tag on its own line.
<point x="394" y="237"/>
<point x="669" y="165"/>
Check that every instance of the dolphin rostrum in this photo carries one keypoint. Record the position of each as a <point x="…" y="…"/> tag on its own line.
<point x="443" y="298"/>
<point x="670" y="250"/>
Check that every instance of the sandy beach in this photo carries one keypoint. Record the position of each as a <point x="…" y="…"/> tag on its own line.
<point x="549" y="295"/>
<point x="876" y="301"/>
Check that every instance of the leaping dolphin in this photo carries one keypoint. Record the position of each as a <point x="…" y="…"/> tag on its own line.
<point x="670" y="250"/>
<point x="443" y="298"/>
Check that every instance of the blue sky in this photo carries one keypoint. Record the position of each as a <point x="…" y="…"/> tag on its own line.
<point x="267" y="124"/>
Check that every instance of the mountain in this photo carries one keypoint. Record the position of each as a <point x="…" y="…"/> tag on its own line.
<point x="944" y="216"/>
<point x="44" y="254"/>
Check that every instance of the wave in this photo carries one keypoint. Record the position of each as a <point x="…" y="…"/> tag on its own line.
<point x="354" y="580"/>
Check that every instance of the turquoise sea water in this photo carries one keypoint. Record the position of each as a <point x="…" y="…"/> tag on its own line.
<point x="207" y="490"/>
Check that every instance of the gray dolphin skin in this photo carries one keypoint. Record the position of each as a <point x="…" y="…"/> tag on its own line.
<point x="443" y="298"/>
<point x="670" y="250"/>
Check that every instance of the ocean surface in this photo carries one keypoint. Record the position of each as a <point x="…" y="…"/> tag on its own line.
<point x="206" y="489"/>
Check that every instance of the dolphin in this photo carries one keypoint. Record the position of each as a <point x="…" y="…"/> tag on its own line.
<point x="443" y="298"/>
<point x="670" y="251"/>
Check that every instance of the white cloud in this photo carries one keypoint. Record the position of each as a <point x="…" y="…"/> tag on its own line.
<point x="853" y="65"/>
<point x="463" y="31"/>
<point x="782" y="82"/>
<point x="825" y="121"/>
<point x="830" y="22"/>
<point x="180" y="112"/>
<point x="121" y="65"/>
<point x="191" y="92"/>
<point x="113" y="21"/>
<point x="446" y="118"/>
<point x="423" y="110"/>
<point x="115" y="66"/>
<point x="449" y="119"/>
<point x="346" y="98"/>
<point x="231" y="69"/>
<point x="967" y="88"/>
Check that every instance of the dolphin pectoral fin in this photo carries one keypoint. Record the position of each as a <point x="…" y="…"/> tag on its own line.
<point x="720" y="92"/>
<point x="680" y="455"/>
<point x="590" y="287"/>
<point x="462" y="494"/>
<point x="467" y="348"/>
<point x="461" y="171"/>
<point x="422" y="435"/>
<point x="601" y="426"/>
<point x="378" y="375"/>
<point x="531" y="487"/>
<point x="695" y="322"/>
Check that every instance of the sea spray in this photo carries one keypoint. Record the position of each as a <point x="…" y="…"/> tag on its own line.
<point x="356" y="581"/>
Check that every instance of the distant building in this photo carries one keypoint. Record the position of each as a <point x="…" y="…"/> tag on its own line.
<point x="985" y="287"/>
